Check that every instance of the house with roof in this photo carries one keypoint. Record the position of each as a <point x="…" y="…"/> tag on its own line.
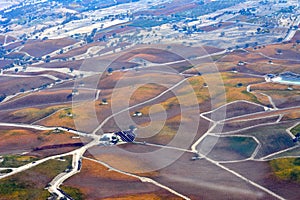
<point x="127" y="136"/>
<point x="289" y="78"/>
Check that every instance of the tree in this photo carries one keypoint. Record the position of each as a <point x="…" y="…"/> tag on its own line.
<point x="279" y="51"/>
<point x="47" y="59"/>
<point x="239" y="85"/>
<point x="297" y="160"/>
<point x="258" y="30"/>
<point x="2" y="97"/>
<point x="110" y="70"/>
<point x="279" y="39"/>
<point x="104" y="101"/>
<point x="294" y="175"/>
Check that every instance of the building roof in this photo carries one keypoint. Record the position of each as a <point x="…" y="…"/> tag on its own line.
<point x="290" y="76"/>
<point x="126" y="136"/>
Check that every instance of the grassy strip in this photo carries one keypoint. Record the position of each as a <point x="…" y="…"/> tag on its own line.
<point x="16" y="161"/>
<point x="75" y="193"/>
<point x="296" y="130"/>
<point x="30" y="184"/>
<point x="286" y="168"/>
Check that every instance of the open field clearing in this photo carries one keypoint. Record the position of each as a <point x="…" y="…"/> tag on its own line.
<point x="201" y="172"/>
<point x="291" y="115"/>
<point x="286" y="168"/>
<point x="235" y="109"/>
<point x="256" y="63"/>
<point x="41" y="48"/>
<point x="64" y="64"/>
<point x="79" y="117"/>
<point x="238" y="125"/>
<point x="280" y="51"/>
<point x="262" y="173"/>
<point x="273" y="138"/>
<point x="16" y="161"/>
<point x="36" y="143"/>
<point x="295" y="130"/>
<point x="129" y="187"/>
<point x="29" y="115"/>
<point x="12" y="85"/>
<point x="154" y="100"/>
<point x="46" y="97"/>
<point x="232" y="148"/>
<point x="25" y="185"/>
<point x="284" y="99"/>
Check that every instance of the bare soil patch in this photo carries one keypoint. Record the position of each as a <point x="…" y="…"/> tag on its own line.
<point x="261" y="173"/>
<point x="38" y="48"/>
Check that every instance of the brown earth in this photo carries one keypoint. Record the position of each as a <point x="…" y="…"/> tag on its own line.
<point x="17" y="140"/>
<point x="38" y="48"/>
<point x="236" y="109"/>
<point x="96" y="181"/>
<point x="64" y="64"/>
<point x="237" y="125"/>
<point x="12" y="85"/>
<point x="261" y="173"/>
<point x="195" y="179"/>
<point x="46" y="97"/>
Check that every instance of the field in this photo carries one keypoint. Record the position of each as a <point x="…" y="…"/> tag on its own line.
<point x="17" y="141"/>
<point x="25" y="185"/>
<point x="188" y="78"/>
<point x="272" y="137"/>
<point x="30" y="115"/>
<point x="232" y="148"/>
<point x="40" y="48"/>
<point x="201" y="172"/>
<point x="12" y="85"/>
<point x="296" y="130"/>
<point x="238" y="125"/>
<point x="262" y="173"/>
<point x="280" y="51"/>
<point x="16" y="161"/>
<point x="235" y="109"/>
<point x="282" y="95"/>
<point x="46" y="98"/>
<point x="287" y="168"/>
<point x="129" y="187"/>
<point x="64" y="64"/>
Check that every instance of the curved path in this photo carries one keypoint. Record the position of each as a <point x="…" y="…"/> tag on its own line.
<point x="141" y="178"/>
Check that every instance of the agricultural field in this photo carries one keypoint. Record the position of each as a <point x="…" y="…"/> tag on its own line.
<point x="129" y="187"/>
<point x="25" y="185"/>
<point x="138" y="99"/>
